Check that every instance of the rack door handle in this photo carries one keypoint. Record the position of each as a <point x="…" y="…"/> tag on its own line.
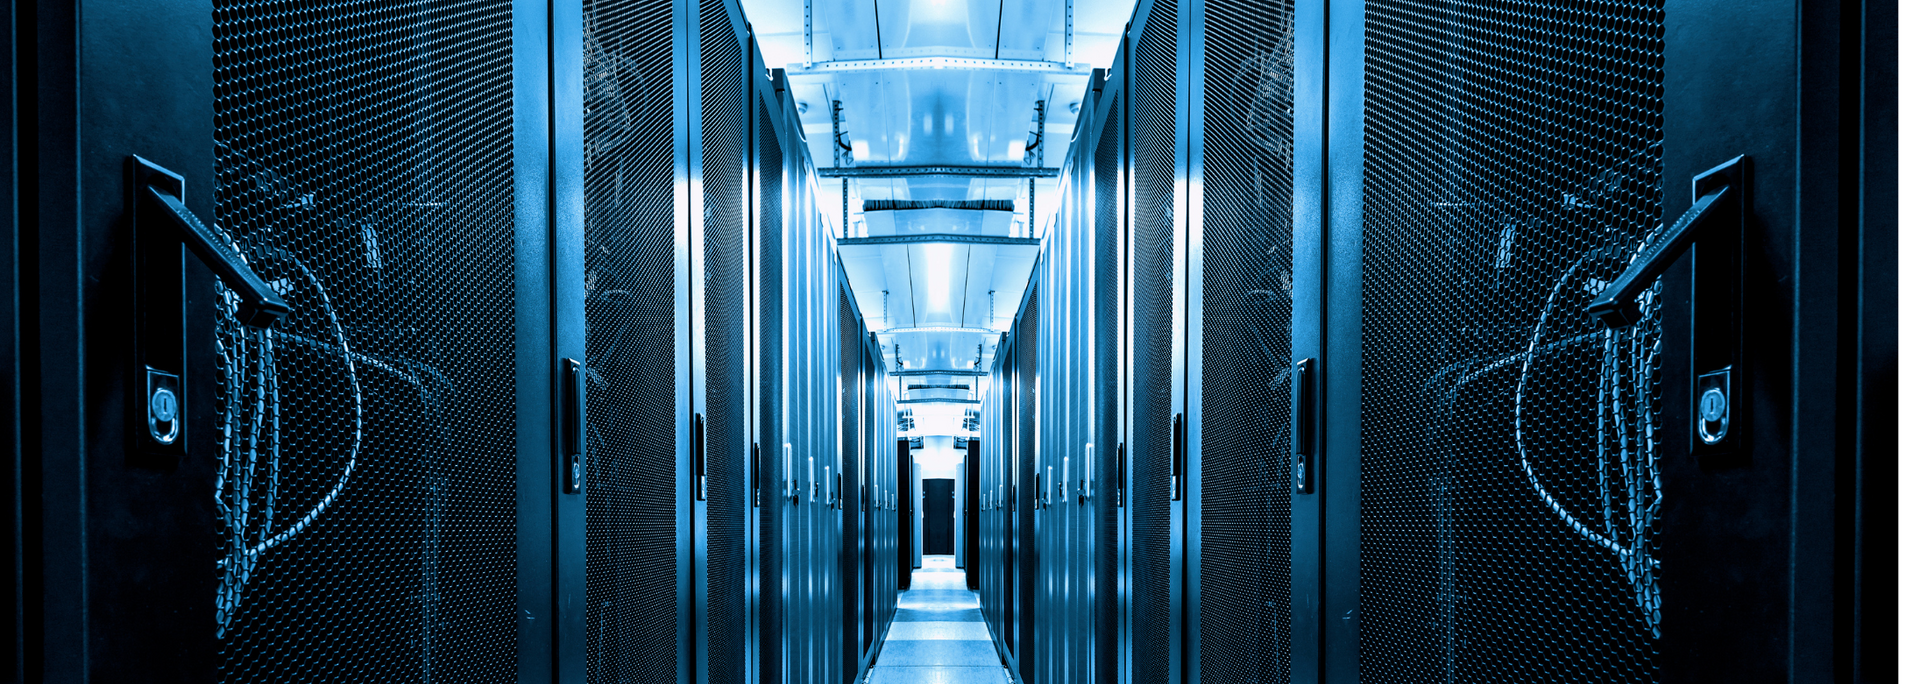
<point x="573" y="423"/>
<point x="1719" y="193"/>
<point x="1714" y="228"/>
<point x="1303" y="418"/>
<point x="159" y="190"/>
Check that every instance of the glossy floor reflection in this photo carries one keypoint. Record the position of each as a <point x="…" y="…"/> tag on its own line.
<point x="938" y="636"/>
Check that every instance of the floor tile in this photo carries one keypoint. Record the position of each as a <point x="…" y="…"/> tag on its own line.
<point x="953" y="630"/>
<point x="938" y="675"/>
<point x="911" y="653"/>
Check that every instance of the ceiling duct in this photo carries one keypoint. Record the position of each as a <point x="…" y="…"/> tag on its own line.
<point x="904" y="205"/>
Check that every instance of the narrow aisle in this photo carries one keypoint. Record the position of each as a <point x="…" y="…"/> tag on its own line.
<point x="938" y="636"/>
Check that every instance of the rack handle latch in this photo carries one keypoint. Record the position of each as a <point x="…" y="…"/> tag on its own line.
<point x="1719" y="201"/>
<point x="161" y="191"/>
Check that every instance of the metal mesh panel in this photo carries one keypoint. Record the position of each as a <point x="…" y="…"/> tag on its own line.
<point x="722" y="136"/>
<point x="1246" y="571"/>
<point x="847" y="596"/>
<point x="1153" y="96"/>
<point x="1509" y="484"/>
<point x="767" y="170"/>
<point x="1026" y="572"/>
<point x="630" y="507"/>
<point x="367" y="479"/>
<point x="1106" y="345"/>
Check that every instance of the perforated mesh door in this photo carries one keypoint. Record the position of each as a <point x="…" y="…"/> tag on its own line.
<point x="847" y="591"/>
<point x="1509" y="490"/>
<point x="630" y="451"/>
<point x="767" y="177"/>
<point x="367" y="441"/>
<point x="1106" y="349"/>
<point x="723" y="165"/>
<point x="1026" y="568"/>
<point x="1246" y="569"/>
<point x="1152" y="95"/>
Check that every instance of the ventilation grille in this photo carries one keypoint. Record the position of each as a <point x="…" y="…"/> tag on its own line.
<point x="722" y="135"/>
<point x="630" y="505"/>
<point x="1510" y="495"/>
<point x="1152" y="123"/>
<point x="768" y="169"/>
<point x="365" y="169"/>
<point x="1106" y="284"/>
<point x="1246" y="595"/>
<point x="978" y="205"/>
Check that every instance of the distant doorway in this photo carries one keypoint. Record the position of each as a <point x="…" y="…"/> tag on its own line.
<point x="938" y="520"/>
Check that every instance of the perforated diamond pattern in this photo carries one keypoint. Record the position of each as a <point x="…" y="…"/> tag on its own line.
<point x="1510" y="492"/>
<point x="1152" y="124"/>
<point x="630" y="448"/>
<point x="367" y="447"/>
<point x="1246" y="569"/>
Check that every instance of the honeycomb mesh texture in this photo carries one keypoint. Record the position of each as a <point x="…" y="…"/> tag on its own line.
<point x="1510" y="497"/>
<point x="1106" y="345"/>
<point x="1246" y="570"/>
<point x="723" y="165"/>
<point x="847" y="591"/>
<point x="768" y="167"/>
<point x="1026" y="573"/>
<point x="367" y="493"/>
<point x="1153" y="99"/>
<point x="630" y="507"/>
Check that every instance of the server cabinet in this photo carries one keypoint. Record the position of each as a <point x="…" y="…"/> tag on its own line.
<point x="722" y="417"/>
<point x="1500" y="433"/>
<point x="1156" y="428"/>
<point x="198" y="479"/>
<point x="774" y="546"/>
<point x="970" y="499"/>
<point x="1245" y="369"/>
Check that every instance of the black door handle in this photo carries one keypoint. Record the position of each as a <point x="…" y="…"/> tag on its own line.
<point x="159" y="224"/>
<point x="1715" y="229"/>
<point x="573" y="424"/>
<point x="160" y="191"/>
<point x="1303" y="417"/>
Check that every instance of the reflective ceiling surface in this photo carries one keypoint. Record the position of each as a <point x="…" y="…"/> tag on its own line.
<point x="938" y="101"/>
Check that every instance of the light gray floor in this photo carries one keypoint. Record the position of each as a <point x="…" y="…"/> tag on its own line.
<point x="938" y="636"/>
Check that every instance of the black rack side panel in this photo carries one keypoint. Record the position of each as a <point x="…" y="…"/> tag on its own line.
<point x="630" y="505"/>
<point x="1509" y="479"/>
<point x="768" y="177"/>
<point x="1246" y="481"/>
<point x="722" y="138"/>
<point x="1152" y="94"/>
<point x="367" y="441"/>
<point x="1106" y="278"/>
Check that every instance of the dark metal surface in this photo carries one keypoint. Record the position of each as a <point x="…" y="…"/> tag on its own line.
<point x="1248" y="434"/>
<point x="770" y="319"/>
<point x="631" y="456"/>
<point x="1152" y="92"/>
<point x="1509" y="443"/>
<point x="381" y="199"/>
<point x="723" y="137"/>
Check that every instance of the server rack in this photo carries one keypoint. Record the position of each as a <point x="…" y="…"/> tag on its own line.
<point x="1626" y="499"/>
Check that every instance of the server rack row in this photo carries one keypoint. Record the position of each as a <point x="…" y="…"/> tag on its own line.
<point x="1349" y="409"/>
<point x="515" y="348"/>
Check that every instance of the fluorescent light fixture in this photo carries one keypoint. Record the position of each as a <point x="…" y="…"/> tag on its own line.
<point x="939" y="329"/>
<point x="939" y="278"/>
